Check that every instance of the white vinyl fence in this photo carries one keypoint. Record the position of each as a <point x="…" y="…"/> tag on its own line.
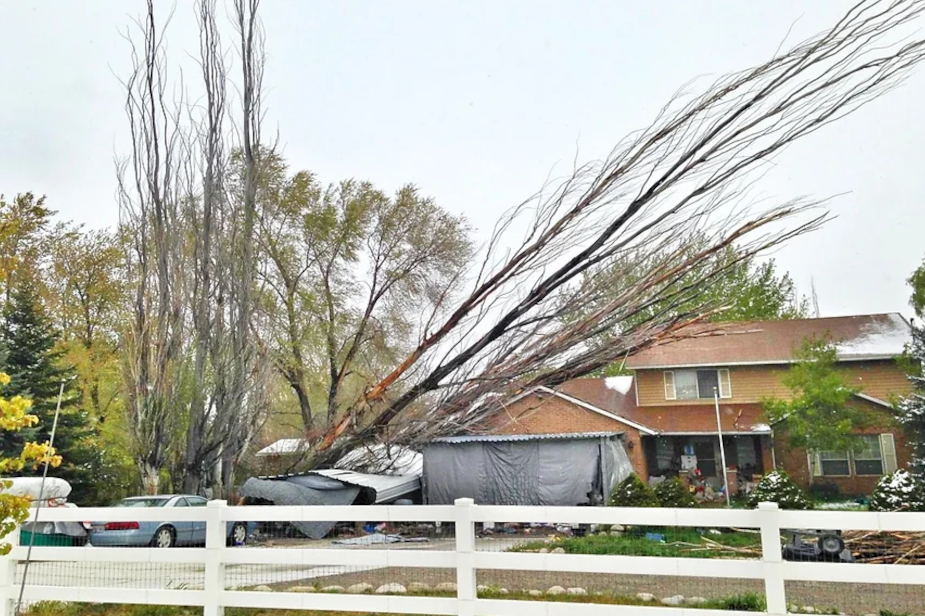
<point x="461" y="556"/>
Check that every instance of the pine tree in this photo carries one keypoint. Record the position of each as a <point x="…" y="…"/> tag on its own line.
<point x="912" y="408"/>
<point x="32" y="360"/>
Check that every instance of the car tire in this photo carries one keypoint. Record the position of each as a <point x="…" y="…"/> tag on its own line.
<point x="238" y="534"/>
<point x="164" y="537"/>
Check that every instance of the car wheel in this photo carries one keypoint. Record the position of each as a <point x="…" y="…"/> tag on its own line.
<point x="164" y="538"/>
<point x="238" y="535"/>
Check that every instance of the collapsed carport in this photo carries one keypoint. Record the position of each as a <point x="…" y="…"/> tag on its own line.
<point x="329" y="487"/>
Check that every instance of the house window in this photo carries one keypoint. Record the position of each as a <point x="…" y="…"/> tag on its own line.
<point x="876" y="457"/>
<point x="697" y="384"/>
<point x="834" y="463"/>
<point x="869" y="459"/>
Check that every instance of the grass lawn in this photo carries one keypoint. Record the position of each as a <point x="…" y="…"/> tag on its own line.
<point x="677" y="542"/>
<point x="746" y="602"/>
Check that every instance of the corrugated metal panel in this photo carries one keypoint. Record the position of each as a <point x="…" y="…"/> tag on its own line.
<point x="511" y="438"/>
<point x="387" y="487"/>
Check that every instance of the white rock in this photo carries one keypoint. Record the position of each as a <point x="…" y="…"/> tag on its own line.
<point x="793" y="608"/>
<point x="696" y="601"/>
<point x="482" y="588"/>
<point x="675" y="600"/>
<point x="808" y="609"/>
<point x="359" y="589"/>
<point x="446" y="587"/>
<point x="418" y="587"/>
<point x="617" y="528"/>
<point x="577" y="591"/>
<point x="333" y="589"/>
<point x="556" y="590"/>
<point x="391" y="588"/>
<point x="544" y="551"/>
<point x="645" y="596"/>
<point x="616" y="533"/>
<point x="535" y="593"/>
<point x="503" y="591"/>
<point x="559" y="551"/>
<point x="302" y="589"/>
<point x="262" y="588"/>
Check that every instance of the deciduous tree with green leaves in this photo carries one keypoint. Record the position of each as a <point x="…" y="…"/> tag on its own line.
<point x="817" y="416"/>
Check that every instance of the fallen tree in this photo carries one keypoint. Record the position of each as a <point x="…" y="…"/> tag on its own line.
<point x="686" y="175"/>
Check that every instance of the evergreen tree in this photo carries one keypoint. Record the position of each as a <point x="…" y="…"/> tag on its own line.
<point x="912" y="408"/>
<point x="34" y="365"/>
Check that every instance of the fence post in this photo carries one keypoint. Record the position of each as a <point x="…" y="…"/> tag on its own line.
<point x="466" y="590"/>
<point x="772" y="557"/>
<point x="8" y="589"/>
<point x="214" y="582"/>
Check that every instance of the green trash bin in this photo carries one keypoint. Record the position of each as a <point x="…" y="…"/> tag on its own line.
<point x="44" y="540"/>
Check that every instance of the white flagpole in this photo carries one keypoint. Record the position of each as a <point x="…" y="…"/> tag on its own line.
<point x="722" y="448"/>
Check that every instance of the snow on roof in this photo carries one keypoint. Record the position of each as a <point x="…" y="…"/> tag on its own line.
<point x="283" y="447"/>
<point x="622" y="384"/>
<point x="881" y="338"/>
<point x="391" y="460"/>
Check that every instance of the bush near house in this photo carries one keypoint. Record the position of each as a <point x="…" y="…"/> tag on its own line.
<point x="673" y="493"/>
<point x="899" y="491"/>
<point x="778" y="487"/>
<point x="633" y="492"/>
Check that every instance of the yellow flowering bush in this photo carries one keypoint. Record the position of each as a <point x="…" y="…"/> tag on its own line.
<point x="14" y="416"/>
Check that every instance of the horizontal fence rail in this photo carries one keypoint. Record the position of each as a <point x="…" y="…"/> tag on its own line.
<point x="216" y="560"/>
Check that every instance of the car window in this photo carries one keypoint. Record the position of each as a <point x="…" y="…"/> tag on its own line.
<point x="142" y="502"/>
<point x="181" y="502"/>
<point x="196" y="501"/>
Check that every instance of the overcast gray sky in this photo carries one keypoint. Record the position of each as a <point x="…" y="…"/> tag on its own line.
<point x="477" y="102"/>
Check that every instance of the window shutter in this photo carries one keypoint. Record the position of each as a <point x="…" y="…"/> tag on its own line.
<point x="888" y="451"/>
<point x="725" y="384"/>
<point x="669" y="386"/>
<point x="815" y="463"/>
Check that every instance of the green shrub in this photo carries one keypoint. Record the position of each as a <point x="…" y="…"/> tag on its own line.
<point x="673" y="493"/>
<point x="778" y="487"/>
<point x="900" y="491"/>
<point x="633" y="492"/>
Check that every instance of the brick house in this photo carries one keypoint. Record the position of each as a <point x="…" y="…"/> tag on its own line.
<point x="668" y="414"/>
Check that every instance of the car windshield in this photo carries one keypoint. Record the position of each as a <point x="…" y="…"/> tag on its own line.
<point x="143" y="502"/>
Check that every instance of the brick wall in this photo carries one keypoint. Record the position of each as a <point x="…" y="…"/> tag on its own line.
<point x="795" y="461"/>
<point x="546" y="414"/>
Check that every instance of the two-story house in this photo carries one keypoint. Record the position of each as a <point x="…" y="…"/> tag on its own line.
<point x="667" y="410"/>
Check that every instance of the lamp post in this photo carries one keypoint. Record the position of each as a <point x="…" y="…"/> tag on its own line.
<point x="722" y="448"/>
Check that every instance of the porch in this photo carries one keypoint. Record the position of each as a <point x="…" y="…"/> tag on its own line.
<point x="696" y="457"/>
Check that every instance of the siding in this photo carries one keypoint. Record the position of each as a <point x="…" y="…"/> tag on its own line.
<point x="751" y="384"/>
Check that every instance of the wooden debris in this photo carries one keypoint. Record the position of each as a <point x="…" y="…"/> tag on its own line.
<point x="892" y="548"/>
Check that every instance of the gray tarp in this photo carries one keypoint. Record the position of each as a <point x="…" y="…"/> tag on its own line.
<point x="550" y="472"/>
<point x="305" y="490"/>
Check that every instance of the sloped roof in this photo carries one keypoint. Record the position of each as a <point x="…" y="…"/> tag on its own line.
<point x="518" y="438"/>
<point x="857" y="338"/>
<point x="616" y="398"/>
